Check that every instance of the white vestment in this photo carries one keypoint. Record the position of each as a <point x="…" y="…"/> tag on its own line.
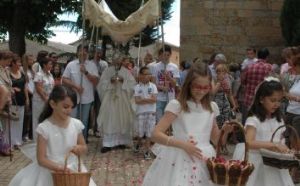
<point x="115" y="119"/>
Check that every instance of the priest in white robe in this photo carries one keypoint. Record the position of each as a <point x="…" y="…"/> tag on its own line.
<point x="116" y="116"/>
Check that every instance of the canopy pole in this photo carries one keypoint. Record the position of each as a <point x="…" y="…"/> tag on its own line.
<point x="169" y="131"/>
<point x="162" y="26"/>
<point x="92" y="36"/>
<point x="82" y="45"/>
<point x="163" y="46"/>
<point x="97" y="31"/>
<point x="97" y="37"/>
<point x="140" y="44"/>
<point x="139" y="52"/>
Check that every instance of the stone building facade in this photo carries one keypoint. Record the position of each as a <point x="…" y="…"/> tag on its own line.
<point x="230" y="26"/>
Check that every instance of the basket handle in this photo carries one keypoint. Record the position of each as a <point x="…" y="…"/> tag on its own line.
<point x="290" y="127"/>
<point x="241" y="128"/>
<point x="66" y="161"/>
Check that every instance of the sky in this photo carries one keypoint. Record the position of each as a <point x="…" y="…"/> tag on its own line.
<point x="171" y="28"/>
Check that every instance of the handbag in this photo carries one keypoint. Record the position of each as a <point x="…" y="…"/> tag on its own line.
<point x="9" y="112"/>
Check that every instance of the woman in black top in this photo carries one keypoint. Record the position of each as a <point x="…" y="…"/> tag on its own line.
<point x="19" y="100"/>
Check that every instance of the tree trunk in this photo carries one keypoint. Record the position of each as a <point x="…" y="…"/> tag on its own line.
<point x="17" y="30"/>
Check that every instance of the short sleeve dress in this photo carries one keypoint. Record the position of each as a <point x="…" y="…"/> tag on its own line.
<point x="262" y="174"/>
<point x="59" y="142"/>
<point x="173" y="166"/>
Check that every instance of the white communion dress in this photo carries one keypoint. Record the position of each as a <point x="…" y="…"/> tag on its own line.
<point x="173" y="166"/>
<point x="59" y="142"/>
<point x="263" y="175"/>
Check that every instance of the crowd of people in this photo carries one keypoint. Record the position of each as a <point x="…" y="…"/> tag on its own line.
<point x="120" y="102"/>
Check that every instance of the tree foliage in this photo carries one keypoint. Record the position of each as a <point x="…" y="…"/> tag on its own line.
<point x="290" y="22"/>
<point x="31" y="19"/>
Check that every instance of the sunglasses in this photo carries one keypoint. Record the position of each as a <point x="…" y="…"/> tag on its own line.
<point x="201" y="88"/>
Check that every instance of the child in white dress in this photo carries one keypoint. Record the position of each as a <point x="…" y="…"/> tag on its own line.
<point x="192" y="116"/>
<point x="58" y="134"/>
<point x="264" y="118"/>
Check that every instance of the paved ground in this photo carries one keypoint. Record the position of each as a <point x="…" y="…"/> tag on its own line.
<point x="115" y="168"/>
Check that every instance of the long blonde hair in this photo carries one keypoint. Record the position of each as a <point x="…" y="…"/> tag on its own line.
<point x="198" y="69"/>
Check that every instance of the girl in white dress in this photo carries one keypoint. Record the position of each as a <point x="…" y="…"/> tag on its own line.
<point x="264" y="118"/>
<point x="181" y="161"/>
<point x="58" y="134"/>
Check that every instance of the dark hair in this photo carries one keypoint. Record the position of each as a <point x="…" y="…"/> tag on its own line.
<point x="265" y="89"/>
<point x="85" y="47"/>
<point x="52" y="54"/>
<point x="41" y="55"/>
<point x="251" y="49"/>
<point x="234" y="67"/>
<point x="166" y="48"/>
<point x="296" y="60"/>
<point x="15" y="58"/>
<point x="142" y="69"/>
<point x="59" y="72"/>
<point x="185" y="65"/>
<point x="287" y="52"/>
<point x="44" y="61"/>
<point x="59" y="93"/>
<point x="197" y="69"/>
<point x="263" y="53"/>
<point x="6" y="54"/>
<point x="212" y="58"/>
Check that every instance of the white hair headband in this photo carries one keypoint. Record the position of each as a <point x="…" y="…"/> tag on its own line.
<point x="271" y="78"/>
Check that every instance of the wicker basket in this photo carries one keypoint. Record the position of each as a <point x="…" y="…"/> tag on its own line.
<point x="230" y="172"/>
<point x="281" y="160"/>
<point x="71" y="179"/>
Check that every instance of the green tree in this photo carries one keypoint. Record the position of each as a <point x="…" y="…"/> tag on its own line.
<point x="31" y="19"/>
<point x="290" y="22"/>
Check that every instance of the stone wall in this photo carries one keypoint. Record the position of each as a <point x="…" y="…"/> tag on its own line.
<point x="230" y="26"/>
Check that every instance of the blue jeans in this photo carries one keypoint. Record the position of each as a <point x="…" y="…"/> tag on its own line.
<point x="85" y="113"/>
<point x="160" y="109"/>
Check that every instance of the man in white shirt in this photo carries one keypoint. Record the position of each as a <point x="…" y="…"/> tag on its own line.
<point x="82" y="75"/>
<point x="166" y="76"/>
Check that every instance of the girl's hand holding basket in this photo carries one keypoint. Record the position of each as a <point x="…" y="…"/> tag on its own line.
<point x="280" y="156"/>
<point x="61" y="169"/>
<point x="227" y="127"/>
<point x="64" y="177"/>
<point x="278" y="147"/>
